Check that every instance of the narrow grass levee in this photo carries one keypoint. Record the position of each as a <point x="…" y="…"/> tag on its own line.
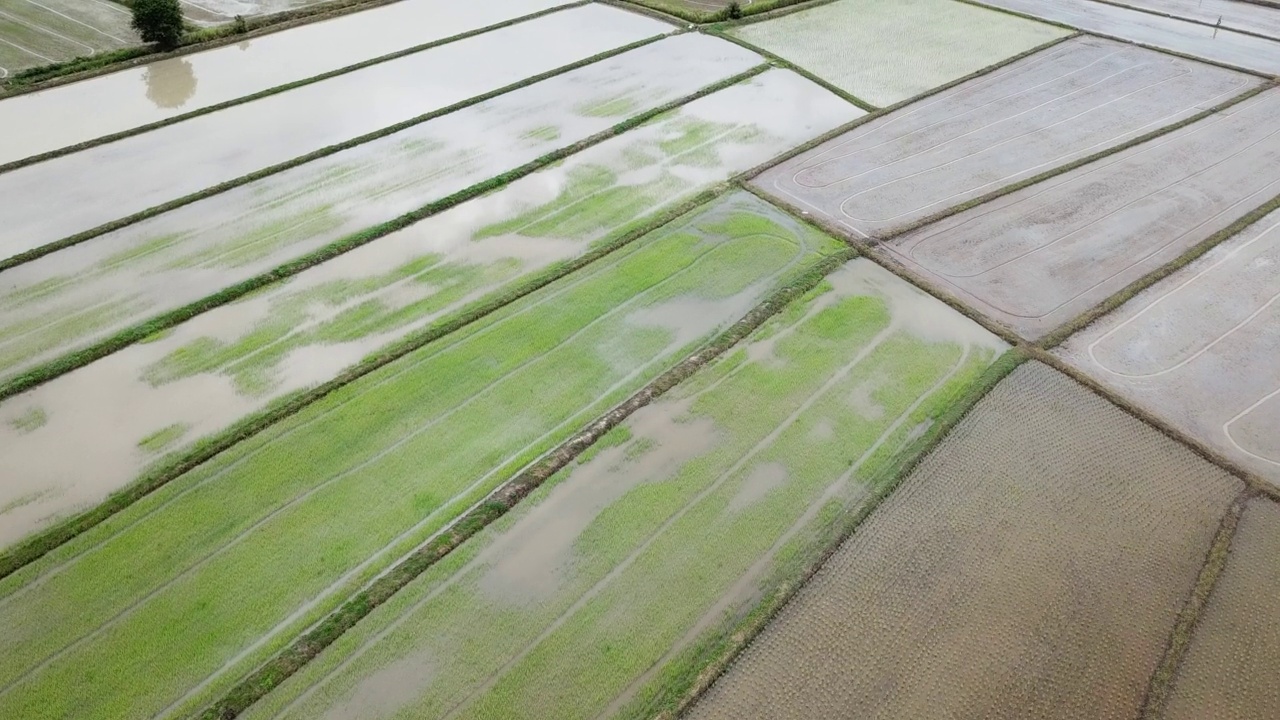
<point x="1180" y="639"/>
<point x="779" y="61"/>
<point x="686" y="682"/>
<point x="138" y="332"/>
<point x="286" y="664"/>
<point x="103" y="140"/>
<point x="81" y="237"/>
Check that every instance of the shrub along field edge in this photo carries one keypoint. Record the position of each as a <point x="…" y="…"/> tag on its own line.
<point x="503" y="499"/>
<point x="38" y="545"/>
<point x="16" y="164"/>
<point x="69" y="241"/>
<point x="710" y="658"/>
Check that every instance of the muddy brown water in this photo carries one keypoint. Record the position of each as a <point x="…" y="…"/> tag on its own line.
<point x="1032" y="567"/>
<point x="59" y="117"/>
<point x="1228" y="672"/>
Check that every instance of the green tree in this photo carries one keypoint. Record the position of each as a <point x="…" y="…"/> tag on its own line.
<point x="158" y="21"/>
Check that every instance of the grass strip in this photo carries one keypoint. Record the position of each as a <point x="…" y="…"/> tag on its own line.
<point x="203" y="450"/>
<point x="714" y="655"/>
<point x="293" y="658"/>
<point x="782" y="62"/>
<point x="1059" y="336"/>
<point x="208" y="192"/>
<point x="765" y="14"/>
<point x="1127" y="41"/>
<point x="678" y="12"/>
<point x="82" y="68"/>
<point x="1074" y="164"/>
<point x="16" y="164"/>
<point x="1183" y="18"/>
<point x="1180" y="639"/>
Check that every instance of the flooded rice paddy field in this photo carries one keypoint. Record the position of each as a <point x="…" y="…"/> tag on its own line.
<point x="1036" y="258"/>
<point x="1231" y="14"/>
<point x="1031" y="567"/>
<point x="577" y="604"/>
<point x="1227" y="673"/>
<point x="165" y="164"/>
<point x="1211" y="43"/>
<point x="201" y="578"/>
<point x="63" y="116"/>
<point x="71" y="298"/>
<point x="885" y="51"/>
<point x="39" y="32"/>
<point x="164" y="394"/>
<point x="1067" y="102"/>
<point x="1200" y="348"/>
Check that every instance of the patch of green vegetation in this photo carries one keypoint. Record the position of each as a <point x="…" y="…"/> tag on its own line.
<point x="264" y="241"/>
<point x="545" y="133"/>
<point x="408" y="446"/>
<point x="613" y="107"/>
<point x="144" y="249"/>
<point x="162" y="439"/>
<point x="38" y="334"/>
<point x="677" y="545"/>
<point x="30" y="421"/>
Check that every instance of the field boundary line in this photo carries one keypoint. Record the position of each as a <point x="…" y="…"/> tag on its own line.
<point x="80" y="237"/>
<point x="1161" y="683"/>
<point x="781" y="62"/>
<point x="112" y="137"/>
<point x="35" y="547"/>
<point x="1252" y="480"/>
<point x="1194" y="21"/>
<point x="773" y="13"/>
<point x="723" y="648"/>
<point x="1127" y="41"/>
<point x="881" y="112"/>
<point x="749" y="12"/>
<point x="287" y="662"/>
<point x="57" y="74"/>
<point x="646" y="11"/>
<point x="1128" y="292"/>
<point x="1072" y="165"/>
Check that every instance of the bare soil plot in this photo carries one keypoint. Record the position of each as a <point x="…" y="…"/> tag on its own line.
<point x="42" y="206"/>
<point x="1228" y="672"/>
<point x="38" y="32"/>
<point x="1230" y="14"/>
<point x="1219" y="45"/>
<point x="1067" y="102"/>
<point x="163" y="395"/>
<point x="168" y="603"/>
<point x="68" y="299"/>
<point x="885" y="51"/>
<point x="578" y="604"/>
<point x="1038" y="257"/>
<point x="1200" y="348"/>
<point x="1031" y="568"/>
<point x="59" y="117"/>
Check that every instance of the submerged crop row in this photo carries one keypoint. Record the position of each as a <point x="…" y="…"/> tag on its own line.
<point x="599" y="589"/>
<point x="175" y="597"/>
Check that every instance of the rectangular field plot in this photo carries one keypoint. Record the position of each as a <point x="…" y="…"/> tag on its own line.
<point x="1031" y="568"/>
<point x="1036" y="258"/>
<point x="1200" y="348"/>
<point x="885" y="51"/>
<point x="198" y="580"/>
<point x="67" y="299"/>
<point x="1232" y="14"/>
<point x="1059" y="105"/>
<point x="165" y="164"/>
<point x="1217" y="44"/>
<point x="162" y="395"/>
<point x="38" y="32"/>
<point x="1228" y="672"/>
<point x="576" y="604"/>
<point x="59" y="117"/>
<point x="207" y="11"/>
